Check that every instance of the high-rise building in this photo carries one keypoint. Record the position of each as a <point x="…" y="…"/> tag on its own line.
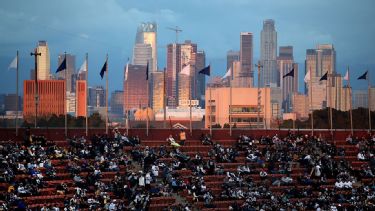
<point x="186" y="84"/>
<point x="231" y="57"/>
<point x="360" y="98"/>
<point x="147" y="34"/>
<point x="301" y="105"/>
<point x="43" y="61"/>
<point x="70" y="69"/>
<point x="117" y="102"/>
<point x="51" y="98"/>
<point x="289" y="85"/>
<point x="325" y="93"/>
<point x="81" y="98"/>
<point x="268" y="51"/>
<point x="10" y="102"/>
<point x="71" y="103"/>
<point x="173" y="68"/>
<point x="246" y="74"/>
<point x="321" y="60"/>
<point x="200" y="84"/>
<point x="142" y="54"/>
<point x="97" y="96"/>
<point x="135" y="88"/>
<point x="158" y="89"/>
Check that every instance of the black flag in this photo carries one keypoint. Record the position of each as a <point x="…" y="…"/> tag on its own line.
<point x="205" y="71"/>
<point x="104" y="68"/>
<point x="363" y="77"/>
<point x="324" y="77"/>
<point x="291" y="73"/>
<point x="62" y="66"/>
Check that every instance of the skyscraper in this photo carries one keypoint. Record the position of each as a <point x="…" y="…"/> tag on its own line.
<point x="117" y="102"/>
<point x="321" y="61"/>
<point x="231" y="57"/>
<point x="43" y="61"/>
<point x="135" y="92"/>
<point x="173" y="68"/>
<point x="142" y="54"/>
<point x="70" y="68"/>
<point x="200" y="78"/>
<point x="96" y="96"/>
<point x="246" y="74"/>
<point x="268" y="52"/>
<point x="186" y="84"/>
<point x="289" y="85"/>
<point x="158" y="89"/>
<point x="147" y="34"/>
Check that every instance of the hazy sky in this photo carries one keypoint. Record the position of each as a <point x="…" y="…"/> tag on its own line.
<point x="99" y="27"/>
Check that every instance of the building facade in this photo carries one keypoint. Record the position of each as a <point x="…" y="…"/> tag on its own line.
<point x="117" y="102"/>
<point x="244" y="108"/>
<point x="135" y="88"/>
<point x="81" y="98"/>
<point x="51" y="98"/>
<point x="246" y="73"/>
<point x="43" y="61"/>
<point x="269" y="75"/>
<point x="231" y="57"/>
<point x="289" y="85"/>
<point x="158" y="91"/>
<point x="147" y="34"/>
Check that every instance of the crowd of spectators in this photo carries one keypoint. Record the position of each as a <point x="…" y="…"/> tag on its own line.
<point x="295" y="172"/>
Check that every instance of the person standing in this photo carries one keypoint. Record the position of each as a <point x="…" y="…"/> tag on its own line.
<point x="182" y="137"/>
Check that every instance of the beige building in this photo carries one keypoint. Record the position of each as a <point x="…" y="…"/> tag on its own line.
<point x="43" y="61"/>
<point x="147" y="34"/>
<point x="158" y="98"/>
<point x="244" y="108"/>
<point x="301" y="106"/>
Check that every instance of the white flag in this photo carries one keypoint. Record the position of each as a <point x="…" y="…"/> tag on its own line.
<point x="83" y="67"/>
<point x="346" y="77"/>
<point x="307" y="77"/>
<point x="227" y="74"/>
<point x="13" y="65"/>
<point x="186" y="70"/>
<point x="126" y="71"/>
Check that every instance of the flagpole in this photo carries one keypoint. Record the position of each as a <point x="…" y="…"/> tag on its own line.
<point x="165" y="100"/>
<point x="66" y="98"/>
<point x="210" y="103"/>
<point x="17" y="96"/>
<point x="369" y="101"/>
<point x="311" y="107"/>
<point x="230" y="102"/>
<point x="148" y="101"/>
<point x="35" y="54"/>
<point x="190" y="105"/>
<point x="330" y="78"/>
<point x="87" y="88"/>
<point x="127" y="109"/>
<point x="350" y="104"/>
<point x="106" y="95"/>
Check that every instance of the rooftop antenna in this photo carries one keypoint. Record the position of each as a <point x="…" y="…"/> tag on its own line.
<point x="176" y="30"/>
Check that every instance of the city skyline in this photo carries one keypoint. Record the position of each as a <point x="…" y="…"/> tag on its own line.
<point x="22" y="30"/>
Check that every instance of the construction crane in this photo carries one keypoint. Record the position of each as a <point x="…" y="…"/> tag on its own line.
<point x="177" y="30"/>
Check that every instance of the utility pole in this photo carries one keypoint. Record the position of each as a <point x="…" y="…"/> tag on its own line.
<point x="36" y="54"/>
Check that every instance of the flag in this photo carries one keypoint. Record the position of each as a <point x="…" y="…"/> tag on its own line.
<point x="291" y="73"/>
<point x="205" y="71"/>
<point x="307" y="77"/>
<point x="147" y="72"/>
<point x="186" y="70"/>
<point x="126" y="71"/>
<point x="363" y="77"/>
<point x="227" y="74"/>
<point x="62" y="66"/>
<point x="13" y="64"/>
<point x="324" y="77"/>
<point x="346" y="77"/>
<point x="104" y="68"/>
<point x="83" y="67"/>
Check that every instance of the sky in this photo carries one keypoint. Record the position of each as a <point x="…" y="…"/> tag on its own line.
<point x="100" y="27"/>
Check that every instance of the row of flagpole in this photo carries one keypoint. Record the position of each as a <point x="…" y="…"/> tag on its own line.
<point x="206" y="71"/>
